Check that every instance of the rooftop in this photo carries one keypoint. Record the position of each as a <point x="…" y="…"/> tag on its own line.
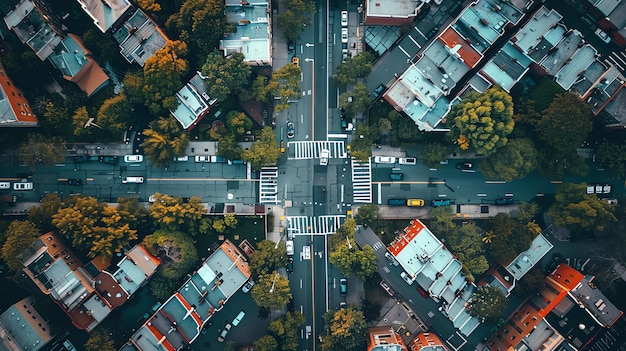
<point x="32" y="29"/>
<point x="14" y="108"/>
<point x="594" y="301"/>
<point x="251" y="33"/>
<point x="529" y="36"/>
<point x="384" y="339"/>
<point x="526" y="260"/>
<point x="506" y="67"/>
<point x="193" y="102"/>
<point x="23" y="328"/>
<point x="427" y="342"/>
<point x="574" y="323"/>
<point x="135" y="268"/>
<point x="139" y="38"/>
<point x="392" y="8"/>
<point x="105" y="13"/>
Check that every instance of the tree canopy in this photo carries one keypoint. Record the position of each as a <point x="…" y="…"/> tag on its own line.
<point x="267" y="258"/>
<point x="285" y="328"/>
<point x="346" y="330"/>
<point x="40" y="150"/>
<point x="612" y="157"/>
<point x="162" y="74"/>
<point x="483" y="121"/>
<point x="172" y="213"/>
<point x="20" y="236"/>
<point x="513" y="161"/>
<point x="42" y="215"/>
<point x="467" y="245"/>
<point x="228" y="75"/>
<point x="285" y="85"/>
<point x="100" y="340"/>
<point x="358" y="66"/>
<point x="164" y="141"/>
<point x="263" y="152"/>
<point x="265" y="343"/>
<point x="176" y="250"/>
<point x="367" y="214"/>
<point x="115" y="114"/>
<point x="294" y="17"/>
<point x="434" y="153"/>
<point x="361" y="145"/>
<point x="506" y="238"/>
<point x="271" y="291"/>
<point x="360" y="100"/>
<point x="487" y="303"/>
<point x="565" y="124"/>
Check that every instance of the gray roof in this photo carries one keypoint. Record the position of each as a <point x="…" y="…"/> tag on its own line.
<point x="32" y="29"/>
<point x="105" y="13"/>
<point x="594" y="301"/>
<point x="139" y="38"/>
<point x="23" y="327"/>
<point x="251" y="33"/>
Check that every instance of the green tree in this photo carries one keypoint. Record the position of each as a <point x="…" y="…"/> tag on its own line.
<point x="346" y="328"/>
<point x="294" y="17"/>
<point x="229" y="148"/>
<point x="20" y="236"/>
<point x="101" y="45"/>
<point x="40" y="150"/>
<point x="358" y="66"/>
<point x="265" y="343"/>
<point x="361" y="146"/>
<point x="483" y="121"/>
<point x="580" y="212"/>
<point x="161" y="287"/>
<point x="229" y="75"/>
<point x="42" y="215"/>
<point x="355" y="101"/>
<point x="162" y="74"/>
<point x="507" y="238"/>
<point x="285" y="85"/>
<point x="434" y="153"/>
<point x="513" y="161"/>
<point x="271" y="291"/>
<point x="487" y="303"/>
<point x="133" y="213"/>
<point x="173" y="214"/>
<point x="469" y="248"/>
<point x="531" y="283"/>
<point x="346" y="230"/>
<point x="114" y="114"/>
<point x="176" y="250"/>
<point x="286" y="328"/>
<point x="441" y="222"/>
<point x="164" y="141"/>
<point x="149" y="5"/>
<point x="238" y="123"/>
<point x="264" y="151"/>
<point x="267" y="258"/>
<point x="100" y="340"/>
<point x="555" y="165"/>
<point x="367" y="214"/>
<point x="133" y="87"/>
<point x="565" y="124"/>
<point x="612" y="157"/>
<point x="349" y="259"/>
<point x="80" y="119"/>
<point x="230" y="220"/>
<point x="526" y="211"/>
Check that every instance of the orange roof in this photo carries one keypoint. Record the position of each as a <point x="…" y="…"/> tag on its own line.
<point x="450" y="38"/>
<point x="410" y="233"/>
<point x="565" y="277"/>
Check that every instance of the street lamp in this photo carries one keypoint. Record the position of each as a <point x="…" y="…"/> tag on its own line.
<point x="273" y="283"/>
<point x="349" y="243"/>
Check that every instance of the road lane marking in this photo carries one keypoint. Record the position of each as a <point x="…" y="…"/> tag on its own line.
<point x="202" y="179"/>
<point x="406" y="53"/>
<point x="416" y="182"/>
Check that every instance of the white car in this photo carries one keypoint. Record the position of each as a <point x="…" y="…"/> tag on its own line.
<point x="23" y="186"/>
<point x="344" y="35"/>
<point x="385" y="159"/>
<point x="407" y="160"/>
<point x="203" y="158"/>
<point x="324" y="154"/>
<point x="344" y="18"/>
<point x="602" y="35"/>
<point x="224" y="332"/>
<point x="181" y="158"/>
<point x="249" y="284"/>
<point x="406" y="278"/>
<point x="133" y="158"/>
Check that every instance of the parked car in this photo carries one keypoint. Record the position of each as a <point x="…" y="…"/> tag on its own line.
<point x="440" y="203"/>
<point x="290" y="130"/>
<point x="108" y="159"/>
<point x="603" y="36"/>
<point x="289" y="247"/>
<point x="504" y="201"/>
<point x="396" y="202"/>
<point x="385" y="159"/>
<point x="422" y="292"/>
<point x="390" y="258"/>
<point x="222" y="336"/>
<point x="133" y="158"/>
<point x="203" y="158"/>
<point x="406" y="278"/>
<point x="76" y="182"/>
<point x="5" y="185"/>
<point x="181" y="158"/>
<point x="344" y="35"/>
<point x="290" y="265"/>
<point x="396" y="176"/>
<point x="137" y="180"/>
<point x="82" y="158"/>
<point x="343" y="286"/>
<point x="612" y="202"/>
<point x="415" y="202"/>
<point x="238" y="318"/>
<point x="23" y="186"/>
<point x="598" y="188"/>
<point x="386" y="288"/>
<point x="247" y="286"/>
<point x="344" y="18"/>
<point x="407" y="160"/>
<point x="465" y="165"/>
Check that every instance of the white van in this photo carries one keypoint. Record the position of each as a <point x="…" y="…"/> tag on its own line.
<point x="23" y="186"/>
<point x="5" y="185"/>
<point x="289" y="247"/>
<point x="133" y="158"/>
<point x="132" y="180"/>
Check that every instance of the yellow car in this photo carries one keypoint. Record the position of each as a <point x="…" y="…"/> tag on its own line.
<point x="415" y="202"/>
<point x="295" y="61"/>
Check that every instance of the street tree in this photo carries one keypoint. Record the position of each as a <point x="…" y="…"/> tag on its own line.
<point x="149" y="5"/>
<point x="367" y="214"/>
<point x="345" y="231"/>
<point x="526" y="211"/>
<point x="200" y="23"/>
<point x="361" y="144"/>
<point x="176" y="250"/>
<point x="229" y="148"/>
<point x="531" y="283"/>
<point x="265" y="343"/>
<point x="271" y="291"/>
<point x="133" y="212"/>
<point x="350" y="259"/>
<point x="173" y="214"/>
<point x="487" y="303"/>
<point x="285" y="328"/>
<point x="40" y="150"/>
<point x="295" y="17"/>
<point x="162" y="74"/>
<point x="80" y="120"/>
<point x="114" y="114"/>
<point x="565" y="124"/>
<point x="133" y="87"/>
<point x="580" y="212"/>
<point x="507" y="238"/>
<point x="42" y="215"/>
<point x="433" y="153"/>
<point x="346" y="328"/>
<point x="56" y="118"/>
<point x="467" y="245"/>
<point x="164" y="141"/>
<point x="513" y="161"/>
<point x="555" y="164"/>
<point x="285" y="85"/>
<point x="267" y="258"/>
<point x="355" y="67"/>
<point x="483" y="121"/>
<point x="355" y="101"/>
<point x="441" y="222"/>
<point x="612" y="157"/>
<point x="228" y="75"/>
<point x="20" y="236"/>
<point x="264" y="151"/>
<point x="100" y="340"/>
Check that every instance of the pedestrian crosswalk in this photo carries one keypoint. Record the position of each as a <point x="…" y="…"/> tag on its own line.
<point x="306" y="150"/>
<point x="617" y="59"/>
<point x="322" y="225"/>
<point x="362" y="182"/>
<point x="268" y="188"/>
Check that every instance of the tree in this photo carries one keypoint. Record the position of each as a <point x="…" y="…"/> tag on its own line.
<point x="133" y="87"/>
<point x="176" y="250"/>
<point x="483" y="121"/>
<point x="100" y="340"/>
<point x="267" y="258"/>
<point x="133" y="213"/>
<point x="284" y="84"/>
<point x="526" y="211"/>
<point x="467" y="245"/>
<point x="507" y="238"/>
<point x="265" y="343"/>
<point x="361" y="146"/>
<point x="149" y="5"/>
<point x="367" y="214"/>
<point x="229" y="148"/>
<point x="487" y="303"/>
<point x="345" y="231"/>
<point x="580" y="212"/>
<point x="355" y="101"/>
<point x="294" y="17"/>
<point x="286" y="328"/>
<point x="531" y="283"/>
<point x="264" y="151"/>
<point x="349" y="259"/>
<point x="20" y="236"/>
<point x="513" y="161"/>
<point x="40" y="150"/>
<point x="441" y="222"/>
<point x="346" y="328"/>
<point x="612" y="157"/>
<point x="173" y="214"/>
<point x="114" y="114"/>
<point x="565" y="124"/>
<point x="358" y="66"/>
<point x="271" y="291"/>
<point x="164" y="141"/>
<point x="434" y="153"/>
<point x="42" y="215"/>
<point x="230" y="75"/>
<point x="238" y="123"/>
<point x="555" y="165"/>
<point x="162" y="74"/>
<point x="80" y="120"/>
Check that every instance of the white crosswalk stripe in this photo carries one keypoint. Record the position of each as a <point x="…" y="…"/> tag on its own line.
<point x="362" y="182"/>
<point x="268" y="188"/>
<point x="322" y="225"/>
<point x="307" y="150"/>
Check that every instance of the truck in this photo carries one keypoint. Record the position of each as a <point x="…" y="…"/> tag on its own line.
<point x="324" y="154"/>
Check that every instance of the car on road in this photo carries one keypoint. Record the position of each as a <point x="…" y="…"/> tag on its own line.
<point x="108" y="159"/>
<point x="222" y="335"/>
<point x="82" y="158"/>
<point x="465" y="165"/>
<point x="344" y="55"/>
<point x="343" y="286"/>
<point x="203" y="158"/>
<point x="324" y="154"/>
<point x="602" y="35"/>
<point x="390" y="258"/>
<point x="295" y="60"/>
<point x="290" y="130"/>
<point x="238" y="318"/>
<point x="247" y="286"/>
<point x="133" y="158"/>
<point x="23" y="186"/>
<point x="406" y="278"/>
<point x="612" y="202"/>
<point x="290" y="265"/>
<point x="385" y="159"/>
<point x="422" y="292"/>
<point x="377" y="92"/>
<point x="598" y="188"/>
<point x="396" y="176"/>
<point x="415" y="202"/>
<point x="138" y="180"/>
<point x="344" y="18"/>
<point x="396" y="202"/>
<point x="440" y="202"/>
<point x="344" y="35"/>
<point x="386" y="288"/>
<point x="289" y="247"/>
<point x="407" y="160"/>
<point x="5" y="185"/>
<point x="76" y="182"/>
<point x="505" y="201"/>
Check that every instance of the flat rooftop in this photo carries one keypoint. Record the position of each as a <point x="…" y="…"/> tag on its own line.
<point x="528" y="37"/>
<point x="105" y="12"/>
<point x="526" y="260"/>
<point x="392" y="8"/>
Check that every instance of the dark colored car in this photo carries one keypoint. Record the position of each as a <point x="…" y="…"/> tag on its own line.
<point x="465" y="165"/>
<point x="77" y="182"/>
<point x="504" y="201"/>
<point x="108" y="159"/>
<point x="290" y="130"/>
<point x="290" y="265"/>
<point x="343" y="286"/>
<point x="82" y="158"/>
